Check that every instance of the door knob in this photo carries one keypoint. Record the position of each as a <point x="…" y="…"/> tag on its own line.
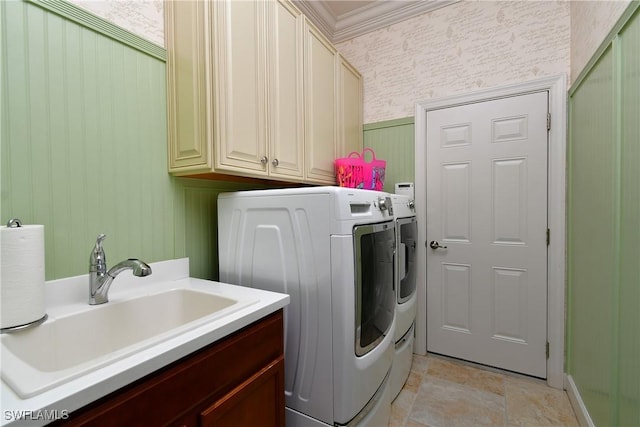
<point x="264" y="160"/>
<point x="275" y="162"/>
<point x="434" y="244"/>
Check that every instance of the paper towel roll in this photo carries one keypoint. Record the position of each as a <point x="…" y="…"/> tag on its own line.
<point x="21" y="275"/>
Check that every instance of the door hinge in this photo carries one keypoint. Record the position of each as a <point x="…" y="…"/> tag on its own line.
<point x="547" y="350"/>
<point x="548" y="237"/>
<point x="548" y="121"/>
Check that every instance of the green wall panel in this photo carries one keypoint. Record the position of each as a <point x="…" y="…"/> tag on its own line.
<point x="196" y="211"/>
<point x="591" y="219"/>
<point x="603" y="338"/>
<point x="629" y="315"/>
<point x="83" y="141"/>
<point x="393" y="141"/>
<point x="84" y="148"/>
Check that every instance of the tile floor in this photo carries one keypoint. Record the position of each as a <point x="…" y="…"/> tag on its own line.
<point x="443" y="392"/>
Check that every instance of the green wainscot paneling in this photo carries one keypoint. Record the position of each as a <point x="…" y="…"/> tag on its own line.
<point x="83" y="140"/>
<point x="628" y="350"/>
<point x="603" y="337"/>
<point x="84" y="146"/>
<point x="592" y="201"/>
<point x="197" y="215"/>
<point x="393" y="141"/>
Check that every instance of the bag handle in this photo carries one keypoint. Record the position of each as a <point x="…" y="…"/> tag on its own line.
<point x="373" y="154"/>
<point x="358" y="155"/>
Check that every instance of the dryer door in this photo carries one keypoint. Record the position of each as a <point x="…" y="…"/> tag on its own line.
<point x="374" y="246"/>
<point x="407" y="238"/>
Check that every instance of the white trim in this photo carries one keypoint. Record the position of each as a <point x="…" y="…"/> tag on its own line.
<point x="584" y="419"/>
<point x="557" y="87"/>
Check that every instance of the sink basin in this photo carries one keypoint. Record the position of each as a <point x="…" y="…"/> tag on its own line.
<point x="70" y="345"/>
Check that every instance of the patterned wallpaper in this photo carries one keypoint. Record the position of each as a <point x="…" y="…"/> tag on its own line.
<point x="591" y="21"/>
<point x="142" y="17"/>
<point x="456" y="49"/>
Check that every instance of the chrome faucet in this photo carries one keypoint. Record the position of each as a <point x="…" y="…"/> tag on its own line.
<point x="100" y="279"/>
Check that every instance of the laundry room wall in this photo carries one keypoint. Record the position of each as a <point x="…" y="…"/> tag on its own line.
<point x="456" y="49"/>
<point x="144" y="18"/>
<point x="84" y="144"/>
<point x="591" y="22"/>
<point x="392" y="140"/>
<point x="603" y="341"/>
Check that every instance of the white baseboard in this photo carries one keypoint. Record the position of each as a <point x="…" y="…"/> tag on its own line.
<point x="584" y="419"/>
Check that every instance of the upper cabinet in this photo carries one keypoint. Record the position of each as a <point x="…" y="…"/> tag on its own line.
<point x="255" y="90"/>
<point x="321" y="60"/>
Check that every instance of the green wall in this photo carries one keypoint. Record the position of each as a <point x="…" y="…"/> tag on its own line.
<point x="84" y="145"/>
<point x="603" y="339"/>
<point x="393" y="141"/>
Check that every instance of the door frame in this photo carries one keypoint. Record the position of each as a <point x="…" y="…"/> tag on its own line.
<point x="556" y="210"/>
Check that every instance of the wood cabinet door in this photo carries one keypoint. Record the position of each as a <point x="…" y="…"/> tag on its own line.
<point x="286" y="103"/>
<point x="350" y="132"/>
<point x="259" y="401"/>
<point x="239" y="72"/>
<point x="320" y="107"/>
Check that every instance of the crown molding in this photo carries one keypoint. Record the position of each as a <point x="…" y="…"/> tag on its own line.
<point x="368" y="18"/>
<point x="318" y="13"/>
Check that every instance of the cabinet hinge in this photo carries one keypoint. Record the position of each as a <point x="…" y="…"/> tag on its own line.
<point x="548" y="121"/>
<point x="547" y="350"/>
<point x="548" y="237"/>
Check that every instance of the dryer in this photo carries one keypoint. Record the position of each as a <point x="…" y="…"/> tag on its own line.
<point x="332" y="250"/>
<point x="406" y="303"/>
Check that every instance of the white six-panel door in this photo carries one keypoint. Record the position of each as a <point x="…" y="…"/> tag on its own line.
<point x="487" y="210"/>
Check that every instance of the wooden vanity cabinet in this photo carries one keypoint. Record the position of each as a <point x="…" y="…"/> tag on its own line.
<point x="237" y="381"/>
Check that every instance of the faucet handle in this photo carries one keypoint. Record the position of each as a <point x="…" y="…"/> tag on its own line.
<point x="98" y="259"/>
<point x="99" y="240"/>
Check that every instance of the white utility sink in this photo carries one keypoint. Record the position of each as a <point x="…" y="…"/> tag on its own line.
<point x="69" y="345"/>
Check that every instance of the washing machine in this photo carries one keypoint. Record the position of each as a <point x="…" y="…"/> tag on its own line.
<point x="406" y="300"/>
<point x="332" y="250"/>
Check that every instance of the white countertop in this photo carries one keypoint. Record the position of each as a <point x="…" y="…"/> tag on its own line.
<point x="71" y="294"/>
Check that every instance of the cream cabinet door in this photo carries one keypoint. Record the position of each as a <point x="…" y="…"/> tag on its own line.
<point x="350" y="131"/>
<point x="240" y="104"/>
<point x="321" y="105"/>
<point x="187" y="85"/>
<point x="286" y="102"/>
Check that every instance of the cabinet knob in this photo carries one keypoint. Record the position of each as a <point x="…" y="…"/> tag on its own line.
<point x="275" y="162"/>
<point x="264" y="160"/>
